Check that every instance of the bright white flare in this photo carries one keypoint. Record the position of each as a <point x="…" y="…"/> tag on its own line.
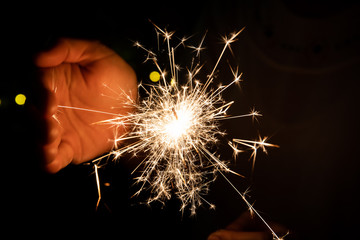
<point x="179" y="125"/>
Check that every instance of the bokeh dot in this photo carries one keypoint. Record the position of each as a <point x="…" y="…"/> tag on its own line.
<point x="154" y="76"/>
<point x="20" y="99"/>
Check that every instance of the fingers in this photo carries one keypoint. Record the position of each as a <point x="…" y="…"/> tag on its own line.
<point x="248" y="227"/>
<point x="63" y="157"/>
<point x="50" y="147"/>
<point x="242" y="222"/>
<point x="48" y="106"/>
<point x="72" y="51"/>
<point x="57" y="152"/>
<point x="234" y="235"/>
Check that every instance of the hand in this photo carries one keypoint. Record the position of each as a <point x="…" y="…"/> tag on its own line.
<point x="249" y="228"/>
<point x="88" y="75"/>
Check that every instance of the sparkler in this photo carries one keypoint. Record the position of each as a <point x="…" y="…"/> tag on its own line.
<point x="176" y="126"/>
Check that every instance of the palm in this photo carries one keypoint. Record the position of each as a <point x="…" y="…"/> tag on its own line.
<point x="94" y="78"/>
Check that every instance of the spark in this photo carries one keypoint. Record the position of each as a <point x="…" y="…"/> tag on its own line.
<point x="177" y="126"/>
<point x="97" y="184"/>
<point x="255" y="145"/>
<point x="199" y="48"/>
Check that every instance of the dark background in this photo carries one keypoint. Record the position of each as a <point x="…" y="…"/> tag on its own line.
<point x="300" y="61"/>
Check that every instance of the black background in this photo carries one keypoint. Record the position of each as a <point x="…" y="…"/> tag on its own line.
<point x="302" y="77"/>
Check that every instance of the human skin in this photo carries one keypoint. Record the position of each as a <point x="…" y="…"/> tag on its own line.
<point x="248" y="227"/>
<point x="88" y="75"/>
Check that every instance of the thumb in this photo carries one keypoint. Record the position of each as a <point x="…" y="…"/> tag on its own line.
<point x="72" y="51"/>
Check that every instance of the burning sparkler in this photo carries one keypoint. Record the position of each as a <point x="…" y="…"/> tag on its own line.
<point x="176" y="126"/>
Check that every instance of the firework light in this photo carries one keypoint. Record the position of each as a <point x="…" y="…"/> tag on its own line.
<point x="176" y="126"/>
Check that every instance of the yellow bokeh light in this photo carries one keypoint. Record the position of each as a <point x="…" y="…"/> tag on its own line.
<point x="154" y="76"/>
<point x="20" y="99"/>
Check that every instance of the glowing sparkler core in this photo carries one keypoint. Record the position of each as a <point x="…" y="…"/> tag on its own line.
<point x="179" y="125"/>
